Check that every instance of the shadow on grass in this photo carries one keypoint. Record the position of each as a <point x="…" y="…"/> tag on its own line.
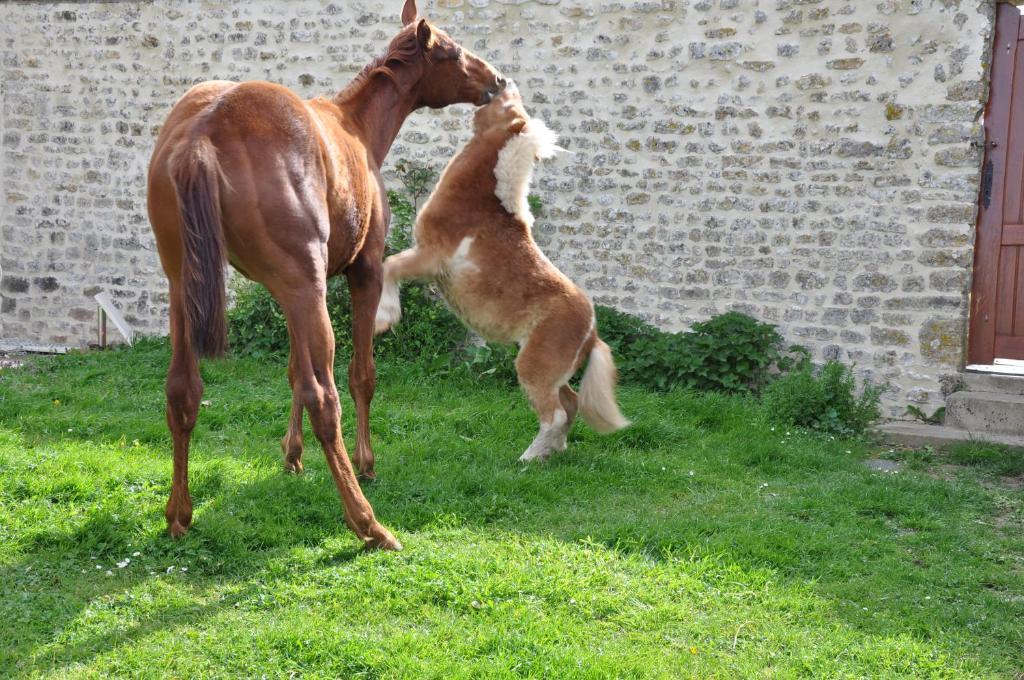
<point x="231" y="543"/>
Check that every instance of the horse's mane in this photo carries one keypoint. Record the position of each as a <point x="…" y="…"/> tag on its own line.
<point x="404" y="49"/>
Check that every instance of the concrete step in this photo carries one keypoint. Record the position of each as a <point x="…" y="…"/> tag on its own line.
<point x="918" y="435"/>
<point x="989" y="412"/>
<point x="993" y="382"/>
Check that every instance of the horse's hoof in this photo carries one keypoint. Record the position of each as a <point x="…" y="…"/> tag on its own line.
<point x="177" y="529"/>
<point x="381" y="539"/>
<point x="368" y="475"/>
<point x="294" y="468"/>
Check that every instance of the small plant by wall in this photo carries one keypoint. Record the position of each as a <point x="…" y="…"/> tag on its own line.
<point x="826" y="400"/>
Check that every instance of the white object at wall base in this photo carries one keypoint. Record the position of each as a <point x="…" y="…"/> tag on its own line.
<point x="107" y="303"/>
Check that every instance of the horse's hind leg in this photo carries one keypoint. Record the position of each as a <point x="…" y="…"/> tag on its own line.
<point x="184" y="392"/>
<point x="312" y="378"/>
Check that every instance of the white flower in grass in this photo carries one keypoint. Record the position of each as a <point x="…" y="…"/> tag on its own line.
<point x="123" y="563"/>
<point x="136" y="553"/>
<point x="170" y="569"/>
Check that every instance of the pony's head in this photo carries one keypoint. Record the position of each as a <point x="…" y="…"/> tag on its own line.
<point x="520" y="141"/>
<point x="506" y="116"/>
<point x="504" y="111"/>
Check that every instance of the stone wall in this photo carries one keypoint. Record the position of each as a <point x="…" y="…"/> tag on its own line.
<point x="811" y="162"/>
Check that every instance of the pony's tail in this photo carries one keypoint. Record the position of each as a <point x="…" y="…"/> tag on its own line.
<point x="196" y="175"/>
<point x="597" y="391"/>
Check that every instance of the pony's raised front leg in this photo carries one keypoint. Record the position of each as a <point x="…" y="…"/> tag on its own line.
<point x="414" y="263"/>
<point x="184" y="392"/>
<point x="364" y="283"/>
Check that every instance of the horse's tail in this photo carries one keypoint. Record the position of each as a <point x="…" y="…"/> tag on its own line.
<point x="597" y="391"/>
<point x="195" y="172"/>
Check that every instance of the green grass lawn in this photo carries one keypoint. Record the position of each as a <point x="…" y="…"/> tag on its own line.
<point x="700" y="542"/>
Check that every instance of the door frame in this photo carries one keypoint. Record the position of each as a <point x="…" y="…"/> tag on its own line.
<point x="988" y="227"/>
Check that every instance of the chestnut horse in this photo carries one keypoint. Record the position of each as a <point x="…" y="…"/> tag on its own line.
<point x="290" y="192"/>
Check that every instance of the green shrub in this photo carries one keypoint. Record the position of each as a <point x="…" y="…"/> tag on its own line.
<point x="731" y="352"/>
<point x="256" y="324"/>
<point x="491" y="361"/>
<point x="428" y="329"/>
<point x="825" y="400"/>
<point x="403" y="216"/>
<point x="417" y="178"/>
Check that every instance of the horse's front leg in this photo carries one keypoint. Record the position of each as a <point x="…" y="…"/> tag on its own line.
<point x="364" y="283"/>
<point x="291" y="444"/>
<point x="414" y="263"/>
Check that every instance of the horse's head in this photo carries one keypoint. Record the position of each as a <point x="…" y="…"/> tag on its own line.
<point x="448" y="74"/>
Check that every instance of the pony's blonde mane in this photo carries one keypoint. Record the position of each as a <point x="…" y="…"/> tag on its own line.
<point x="516" y="160"/>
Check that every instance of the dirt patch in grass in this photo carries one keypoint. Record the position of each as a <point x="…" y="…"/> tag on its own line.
<point x="1013" y="483"/>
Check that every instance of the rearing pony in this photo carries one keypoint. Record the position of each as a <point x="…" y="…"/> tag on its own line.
<point x="290" y="192"/>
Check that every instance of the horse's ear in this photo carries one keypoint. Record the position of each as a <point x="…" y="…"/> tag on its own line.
<point x="517" y="126"/>
<point x="425" y="35"/>
<point x="409" y="12"/>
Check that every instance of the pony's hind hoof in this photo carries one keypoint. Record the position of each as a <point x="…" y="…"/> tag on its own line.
<point x="293" y="467"/>
<point x="533" y="457"/>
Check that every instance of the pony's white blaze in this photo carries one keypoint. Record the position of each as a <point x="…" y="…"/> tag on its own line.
<point x="514" y="170"/>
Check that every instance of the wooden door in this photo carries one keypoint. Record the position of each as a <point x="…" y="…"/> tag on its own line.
<point x="997" y="300"/>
